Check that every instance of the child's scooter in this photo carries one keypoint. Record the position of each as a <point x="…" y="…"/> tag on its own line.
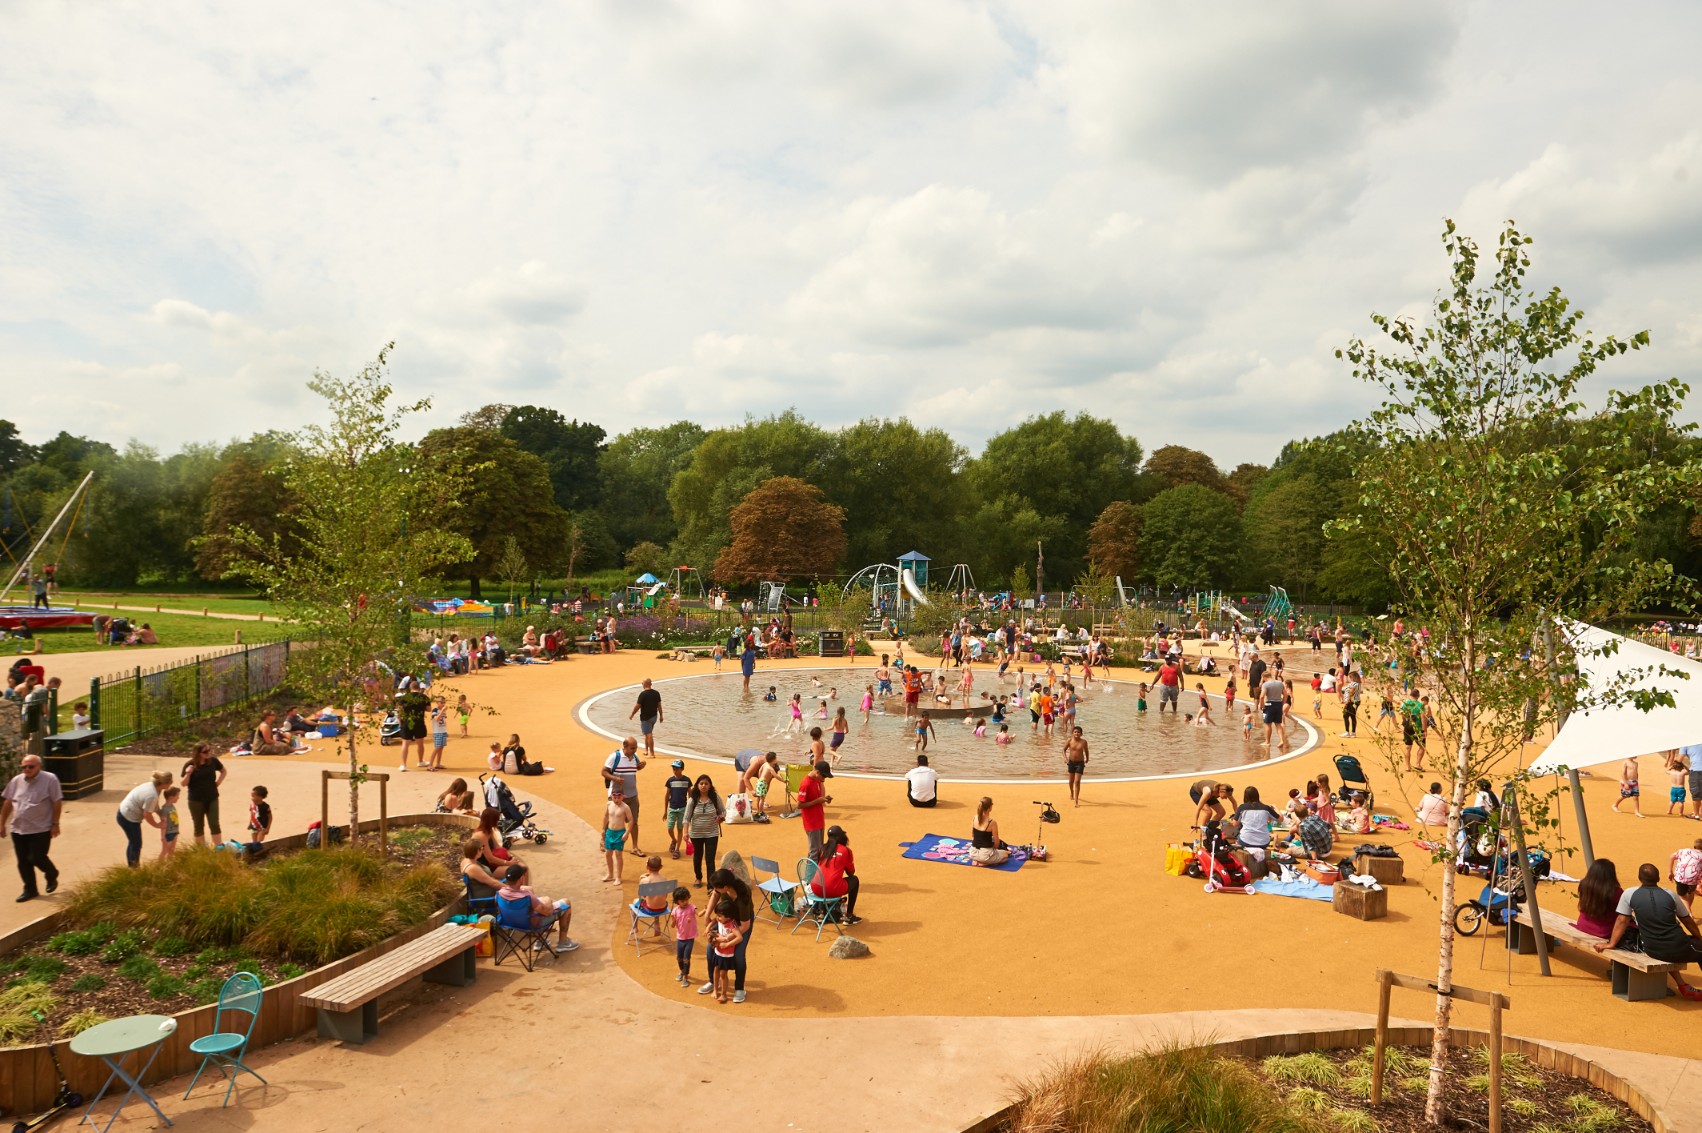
<point x="65" y="1099"/>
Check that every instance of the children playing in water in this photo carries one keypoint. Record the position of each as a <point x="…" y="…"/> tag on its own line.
<point x="868" y="701"/>
<point x="1140" y="698"/>
<point x="1004" y="736"/>
<point x="796" y="724"/>
<point x="840" y="727"/>
<point x="1205" y="704"/>
<point x="924" y="729"/>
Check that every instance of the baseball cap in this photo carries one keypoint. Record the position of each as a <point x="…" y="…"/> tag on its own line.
<point x="677" y="764"/>
<point x="824" y="769"/>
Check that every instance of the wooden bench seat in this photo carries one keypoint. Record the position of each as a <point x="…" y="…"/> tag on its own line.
<point x="583" y="646"/>
<point x="348" y="1005"/>
<point x="692" y="652"/>
<point x="1635" y="976"/>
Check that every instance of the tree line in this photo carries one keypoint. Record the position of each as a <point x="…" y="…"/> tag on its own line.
<point x="543" y="495"/>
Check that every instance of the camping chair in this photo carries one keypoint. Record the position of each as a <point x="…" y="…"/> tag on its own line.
<point x="815" y="910"/>
<point x="795" y="773"/>
<point x="478" y="906"/>
<point x="777" y="893"/>
<point x="645" y="916"/>
<point x="225" y="1047"/>
<point x="515" y="935"/>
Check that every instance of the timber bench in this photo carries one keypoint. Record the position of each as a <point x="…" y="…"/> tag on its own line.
<point x="1635" y="976"/>
<point x="585" y="646"/>
<point x="692" y="652"/>
<point x="348" y="1005"/>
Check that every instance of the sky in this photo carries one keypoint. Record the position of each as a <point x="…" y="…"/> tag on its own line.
<point x="638" y="211"/>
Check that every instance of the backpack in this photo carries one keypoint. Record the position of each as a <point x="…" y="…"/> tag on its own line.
<point x="337" y="836"/>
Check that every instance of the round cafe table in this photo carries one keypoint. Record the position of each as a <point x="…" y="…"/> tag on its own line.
<point x="111" y="1042"/>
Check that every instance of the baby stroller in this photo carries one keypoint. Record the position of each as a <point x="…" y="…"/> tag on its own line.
<point x="1497" y="906"/>
<point x="516" y="819"/>
<point x="390" y="731"/>
<point x="1353" y="781"/>
<point x="1478" y="843"/>
<point x="1215" y="862"/>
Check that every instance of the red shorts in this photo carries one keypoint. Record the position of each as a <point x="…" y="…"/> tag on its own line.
<point x="910" y="697"/>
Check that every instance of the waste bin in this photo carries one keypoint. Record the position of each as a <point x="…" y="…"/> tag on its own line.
<point x="78" y="758"/>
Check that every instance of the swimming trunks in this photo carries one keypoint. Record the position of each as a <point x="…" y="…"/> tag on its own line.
<point x="761" y="788"/>
<point x="1676" y="794"/>
<point x="1076" y="767"/>
<point x="1629" y="790"/>
<point x="838" y="738"/>
<point x="614" y="839"/>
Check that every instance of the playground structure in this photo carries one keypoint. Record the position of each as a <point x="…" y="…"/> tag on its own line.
<point x="1276" y="608"/>
<point x="897" y="589"/>
<point x="961" y="582"/>
<point x="27" y="618"/>
<point x="687" y="583"/>
<point x="772" y="595"/>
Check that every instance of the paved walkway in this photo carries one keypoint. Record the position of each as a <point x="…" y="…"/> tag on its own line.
<point x="77" y="669"/>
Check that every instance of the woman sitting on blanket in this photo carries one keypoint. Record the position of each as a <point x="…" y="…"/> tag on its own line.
<point x="986" y="847"/>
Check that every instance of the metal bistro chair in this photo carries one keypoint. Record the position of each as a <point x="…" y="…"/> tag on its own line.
<point x="817" y="910"/>
<point x="777" y="892"/>
<point x="645" y="917"/>
<point x="224" y="1048"/>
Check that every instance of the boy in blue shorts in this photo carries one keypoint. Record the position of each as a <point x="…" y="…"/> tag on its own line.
<point x="616" y="817"/>
<point x="677" y="787"/>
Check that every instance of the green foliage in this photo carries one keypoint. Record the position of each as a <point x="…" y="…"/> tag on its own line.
<point x="21" y="1007"/>
<point x="140" y="968"/>
<point x="325" y="905"/>
<point x="82" y="942"/>
<point x="164" y="985"/>
<point x="87" y="983"/>
<point x="43" y="969"/>
<point x="81" y="1022"/>
<point x="288" y="971"/>
<point x="1311" y="1068"/>
<point x="414" y="837"/>
<point x="726" y="466"/>
<point x="1592" y="1115"/>
<point x="1175" y="1088"/>
<point x="568" y="451"/>
<point x="204" y="990"/>
<point x="124" y="945"/>
<point x="1524" y="1107"/>
<point x="1312" y="1100"/>
<point x="502" y="493"/>
<point x="634" y="472"/>
<point x="1190" y="536"/>
<point x="173" y="946"/>
<point x="1353" y="1120"/>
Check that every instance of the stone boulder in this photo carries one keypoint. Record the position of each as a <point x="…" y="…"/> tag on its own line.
<point x="848" y="948"/>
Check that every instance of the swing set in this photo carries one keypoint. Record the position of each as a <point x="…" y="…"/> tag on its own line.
<point x="14" y="618"/>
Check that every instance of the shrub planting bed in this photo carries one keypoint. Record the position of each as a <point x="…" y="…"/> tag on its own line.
<point x="163" y="938"/>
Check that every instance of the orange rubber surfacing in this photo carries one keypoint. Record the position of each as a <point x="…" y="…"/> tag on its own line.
<point x="1099" y="928"/>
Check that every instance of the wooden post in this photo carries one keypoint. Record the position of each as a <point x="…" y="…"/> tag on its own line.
<point x="324" y="809"/>
<point x="1378" y="1057"/>
<point x="1495" y="1065"/>
<point x="384" y="814"/>
<point x="382" y="778"/>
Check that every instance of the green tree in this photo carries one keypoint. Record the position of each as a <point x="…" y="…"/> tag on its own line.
<point x="1241" y="483"/>
<point x="248" y="491"/>
<point x="506" y="494"/>
<point x="645" y="558"/>
<point x="1114" y="541"/>
<point x="1190" y="536"/>
<point x="1285" y="533"/>
<point x="727" y="466"/>
<point x="14" y="453"/>
<point x="783" y="530"/>
<point x="372" y="538"/>
<point x="1059" y="470"/>
<point x="635" y="470"/>
<point x="511" y="565"/>
<point x="900" y="487"/>
<point x="569" y="450"/>
<point x="1494" y="513"/>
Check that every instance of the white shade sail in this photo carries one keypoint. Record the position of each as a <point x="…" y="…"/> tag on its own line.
<point x="1607" y="734"/>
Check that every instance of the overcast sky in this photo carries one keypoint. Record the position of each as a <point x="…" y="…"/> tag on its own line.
<point x="967" y="213"/>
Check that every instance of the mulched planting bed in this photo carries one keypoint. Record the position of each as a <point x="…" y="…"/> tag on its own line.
<point x="1336" y="1084"/>
<point x="114" y="972"/>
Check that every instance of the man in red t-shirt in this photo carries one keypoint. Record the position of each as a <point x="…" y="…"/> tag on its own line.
<point x="1169" y="685"/>
<point x="812" y="804"/>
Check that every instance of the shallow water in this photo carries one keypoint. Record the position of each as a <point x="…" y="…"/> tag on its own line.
<point x="710" y="715"/>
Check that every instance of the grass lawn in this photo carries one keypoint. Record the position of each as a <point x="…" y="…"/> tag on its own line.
<point x="172" y="629"/>
<point x="214" y="603"/>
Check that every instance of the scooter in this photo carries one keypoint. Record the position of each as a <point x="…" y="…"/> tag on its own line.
<point x="65" y="1099"/>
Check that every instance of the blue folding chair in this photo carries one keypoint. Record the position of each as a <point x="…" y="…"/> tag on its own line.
<point x="478" y="906"/>
<point x="515" y="934"/>
<point x="777" y="893"/>
<point x="224" y="1048"/>
<point x="815" y="910"/>
<point x="655" y="920"/>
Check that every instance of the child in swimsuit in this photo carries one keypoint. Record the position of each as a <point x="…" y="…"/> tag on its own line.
<point x="770" y="694"/>
<point x="840" y="727"/>
<point x="868" y="701"/>
<point x="1004" y="736"/>
<point x="465" y="712"/>
<point x="797" y="706"/>
<point x="1140" y="698"/>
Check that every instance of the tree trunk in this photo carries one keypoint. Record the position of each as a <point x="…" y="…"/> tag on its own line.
<point x="1434" y="1111"/>
<point x="473" y="591"/>
<point x="354" y="786"/>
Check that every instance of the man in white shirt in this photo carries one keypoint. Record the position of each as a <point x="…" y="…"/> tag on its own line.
<point x="922" y="783"/>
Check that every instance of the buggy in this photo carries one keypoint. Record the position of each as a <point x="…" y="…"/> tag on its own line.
<point x="1215" y="862"/>
<point x="390" y="731"/>
<point x="516" y="819"/>
<point x="1353" y="781"/>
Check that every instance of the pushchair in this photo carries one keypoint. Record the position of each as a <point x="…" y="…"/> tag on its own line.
<point x="1217" y="863"/>
<point x="1478" y="842"/>
<point x="515" y="819"/>
<point x="1497" y="906"/>
<point x="390" y="731"/>
<point x="1353" y="781"/>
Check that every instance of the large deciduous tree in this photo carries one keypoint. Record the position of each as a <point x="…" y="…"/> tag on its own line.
<point x="727" y="466"/>
<point x="900" y="487"/>
<point x="635" y="470"/>
<point x="1285" y="533"/>
<point x="1495" y="508"/>
<point x="507" y="494"/>
<point x="1189" y="537"/>
<point x="1171" y="466"/>
<point x="784" y="529"/>
<point x="569" y="450"/>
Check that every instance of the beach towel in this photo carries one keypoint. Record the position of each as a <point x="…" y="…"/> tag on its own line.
<point x="1306" y="888"/>
<point x="954" y="851"/>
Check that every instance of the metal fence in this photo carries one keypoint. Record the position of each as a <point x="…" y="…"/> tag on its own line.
<point x="141" y="702"/>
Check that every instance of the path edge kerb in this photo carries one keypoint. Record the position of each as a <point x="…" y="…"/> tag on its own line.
<point x="1546" y="1055"/>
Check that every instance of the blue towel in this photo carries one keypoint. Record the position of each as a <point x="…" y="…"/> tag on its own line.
<point x="954" y="851"/>
<point x="1305" y="887"/>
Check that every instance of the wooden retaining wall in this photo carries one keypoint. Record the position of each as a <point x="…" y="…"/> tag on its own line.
<point x="1542" y="1054"/>
<point x="28" y="1080"/>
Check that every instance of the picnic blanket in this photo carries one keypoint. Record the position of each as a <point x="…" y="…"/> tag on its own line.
<point x="1305" y="887"/>
<point x="954" y="851"/>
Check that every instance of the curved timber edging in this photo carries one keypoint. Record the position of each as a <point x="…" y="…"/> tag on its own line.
<point x="1543" y="1054"/>
<point x="28" y="1080"/>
